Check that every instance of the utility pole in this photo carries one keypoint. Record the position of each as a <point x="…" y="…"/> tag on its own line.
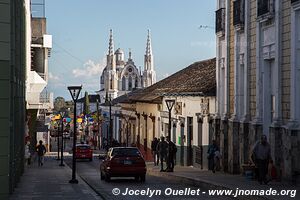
<point x="98" y="124"/>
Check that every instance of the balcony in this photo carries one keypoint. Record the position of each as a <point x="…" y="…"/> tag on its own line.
<point x="265" y="9"/>
<point x="295" y="1"/>
<point x="220" y="22"/>
<point x="239" y="14"/>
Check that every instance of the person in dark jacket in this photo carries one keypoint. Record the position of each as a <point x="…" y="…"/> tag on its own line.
<point x="261" y="156"/>
<point x="212" y="149"/>
<point x="171" y="154"/>
<point x="41" y="150"/>
<point x="162" y="149"/>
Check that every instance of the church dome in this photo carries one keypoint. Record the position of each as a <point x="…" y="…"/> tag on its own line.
<point x="119" y="51"/>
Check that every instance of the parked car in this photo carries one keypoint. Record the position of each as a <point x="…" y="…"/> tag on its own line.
<point x="84" y="151"/>
<point x="123" y="162"/>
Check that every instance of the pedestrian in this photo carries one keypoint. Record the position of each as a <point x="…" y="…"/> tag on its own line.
<point x="153" y="150"/>
<point x="171" y="154"/>
<point x="157" y="153"/>
<point x="261" y="156"/>
<point x="27" y="153"/>
<point x="212" y="149"/>
<point x="162" y="149"/>
<point x="41" y="150"/>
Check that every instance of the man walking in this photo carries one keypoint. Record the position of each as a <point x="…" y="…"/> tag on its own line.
<point x="41" y="150"/>
<point x="261" y="156"/>
<point x="162" y="149"/>
<point x="171" y="155"/>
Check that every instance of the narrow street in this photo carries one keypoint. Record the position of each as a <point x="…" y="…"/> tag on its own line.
<point x="89" y="171"/>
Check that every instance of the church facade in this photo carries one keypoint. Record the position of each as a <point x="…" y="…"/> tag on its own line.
<point x="120" y="77"/>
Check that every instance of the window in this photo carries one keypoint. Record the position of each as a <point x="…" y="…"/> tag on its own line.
<point x="130" y="83"/>
<point x="220" y="21"/>
<point x="264" y="7"/>
<point x="239" y="13"/>
<point x="123" y="83"/>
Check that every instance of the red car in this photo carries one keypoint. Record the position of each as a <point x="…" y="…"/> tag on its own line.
<point x="84" y="151"/>
<point x="123" y="162"/>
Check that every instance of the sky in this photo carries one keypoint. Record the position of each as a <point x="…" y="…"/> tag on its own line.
<point x="80" y="31"/>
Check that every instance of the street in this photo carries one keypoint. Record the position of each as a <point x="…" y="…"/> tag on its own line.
<point x="89" y="172"/>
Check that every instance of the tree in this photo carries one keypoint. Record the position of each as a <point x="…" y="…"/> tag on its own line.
<point x="86" y="108"/>
<point x="59" y="103"/>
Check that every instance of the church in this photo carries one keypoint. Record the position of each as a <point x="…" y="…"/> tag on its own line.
<point x="120" y="77"/>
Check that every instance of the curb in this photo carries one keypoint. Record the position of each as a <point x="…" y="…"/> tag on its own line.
<point x="201" y="184"/>
<point x="97" y="194"/>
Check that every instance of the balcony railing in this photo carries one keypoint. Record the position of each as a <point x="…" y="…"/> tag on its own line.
<point x="264" y="7"/>
<point x="239" y="13"/>
<point x="294" y="1"/>
<point x="220" y="21"/>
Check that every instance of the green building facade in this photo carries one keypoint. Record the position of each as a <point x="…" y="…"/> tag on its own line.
<point x="12" y="94"/>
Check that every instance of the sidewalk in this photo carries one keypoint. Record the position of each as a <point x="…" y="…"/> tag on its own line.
<point x="51" y="182"/>
<point x="208" y="180"/>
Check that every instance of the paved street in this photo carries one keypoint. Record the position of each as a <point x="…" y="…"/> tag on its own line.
<point x="89" y="171"/>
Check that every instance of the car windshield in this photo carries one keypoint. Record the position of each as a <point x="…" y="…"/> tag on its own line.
<point x="125" y="152"/>
<point x="83" y="147"/>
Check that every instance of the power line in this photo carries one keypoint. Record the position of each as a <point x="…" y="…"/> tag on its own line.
<point x="67" y="52"/>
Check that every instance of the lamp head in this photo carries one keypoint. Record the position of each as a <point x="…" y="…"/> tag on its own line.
<point x="75" y="91"/>
<point x="170" y="103"/>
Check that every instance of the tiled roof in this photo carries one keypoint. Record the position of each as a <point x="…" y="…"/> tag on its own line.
<point x="197" y="79"/>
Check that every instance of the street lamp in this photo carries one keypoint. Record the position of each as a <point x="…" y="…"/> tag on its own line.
<point x="74" y="91"/>
<point x="127" y="118"/>
<point x="58" y="139"/>
<point x="170" y="103"/>
<point x="109" y="137"/>
<point x="98" y="122"/>
<point x="62" y="115"/>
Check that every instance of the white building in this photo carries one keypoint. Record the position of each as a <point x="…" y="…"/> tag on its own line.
<point x="120" y="77"/>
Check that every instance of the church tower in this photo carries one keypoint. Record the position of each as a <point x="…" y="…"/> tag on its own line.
<point x="149" y="75"/>
<point x="110" y="75"/>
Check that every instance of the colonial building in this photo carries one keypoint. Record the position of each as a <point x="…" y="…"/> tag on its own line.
<point x="142" y="115"/>
<point x="120" y="77"/>
<point x="258" y="89"/>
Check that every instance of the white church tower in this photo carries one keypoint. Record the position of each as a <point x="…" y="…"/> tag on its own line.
<point x="149" y="75"/>
<point x="120" y="77"/>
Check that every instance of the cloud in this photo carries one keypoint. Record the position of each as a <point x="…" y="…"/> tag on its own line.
<point x="53" y="77"/>
<point x="90" y="68"/>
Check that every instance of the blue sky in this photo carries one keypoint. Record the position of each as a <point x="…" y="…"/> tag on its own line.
<point x="80" y="30"/>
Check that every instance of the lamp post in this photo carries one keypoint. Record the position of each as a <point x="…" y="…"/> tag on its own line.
<point x="98" y="123"/>
<point x="109" y="136"/>
<point x="62" y="115"/>
<point x="127" y="118"/>
<point x="74" y="91"/>
<point x="58" y="140"/>
<point x="170" y="103"/>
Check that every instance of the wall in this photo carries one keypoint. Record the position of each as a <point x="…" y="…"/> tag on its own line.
<point x="12" y="96"/>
